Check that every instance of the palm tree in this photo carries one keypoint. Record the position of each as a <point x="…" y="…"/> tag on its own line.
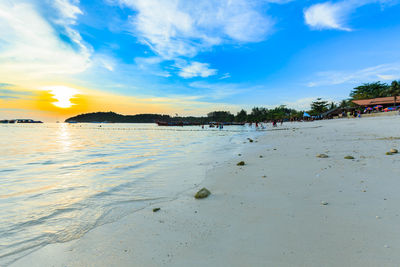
<point x="394" y="90"/>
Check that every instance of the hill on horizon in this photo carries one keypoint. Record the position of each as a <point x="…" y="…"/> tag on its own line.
<point x="118" y="118"/>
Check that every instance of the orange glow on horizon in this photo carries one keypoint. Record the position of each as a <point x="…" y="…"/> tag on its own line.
<point x="51" y="103"/>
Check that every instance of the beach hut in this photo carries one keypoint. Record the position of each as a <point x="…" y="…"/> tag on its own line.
<point x="383" y="102"/>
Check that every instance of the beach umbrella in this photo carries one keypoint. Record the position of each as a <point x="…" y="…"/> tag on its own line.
<point x="389" y="109"/>
<point x="368" y="108"/>
<point x="306" y="114"/>
<point x="378" y="106"/>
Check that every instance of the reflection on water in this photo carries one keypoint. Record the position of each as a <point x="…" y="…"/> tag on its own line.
<point x="57" y="181"/>
<point x="64" y="137"/>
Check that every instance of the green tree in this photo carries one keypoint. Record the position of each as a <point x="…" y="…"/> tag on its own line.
<point x="344" y="103"/>
<point x="370" y="90"/>
<point x="318" y="106"/>
<point x="241" y="116"/>
<point x="394" y="90"/>
<point x="221" y="116"/>
<point x="332" y="105"/>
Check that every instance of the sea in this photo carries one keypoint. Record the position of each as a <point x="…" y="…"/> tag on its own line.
<point x="59" y="181"/>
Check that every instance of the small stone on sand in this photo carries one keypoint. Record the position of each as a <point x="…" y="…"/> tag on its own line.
<point x="240" y="163"/>
<point x="250" y="140"/>
<point x="261" y="156"/>
<point x="156" y="209"/>
<point x="324" y="203"/>
<point x="394" y="151"/>
<point x="389" y="153"/>
<point x="323" y="156"/>
<point x="203" y="193"/>
<point x="349" y="157"/>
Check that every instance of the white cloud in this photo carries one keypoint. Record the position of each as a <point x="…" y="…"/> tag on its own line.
<point x="68" y="10"/>
<point x="197" y="69"/>
<point x="384" y="72"/>
<point x="68" y="14"/>
<point x="328" y="16"/>
<point x="225" y="76"/>
<point x="30" y="47"/>
<point x="388" y="77"/>
<point x="105" y="61"/>
<point x="177" y="28"/>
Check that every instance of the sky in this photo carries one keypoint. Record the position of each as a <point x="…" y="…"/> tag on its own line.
<point x="60" y="58"/>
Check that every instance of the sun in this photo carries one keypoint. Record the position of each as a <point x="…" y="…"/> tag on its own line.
<point x="63" y="95"/>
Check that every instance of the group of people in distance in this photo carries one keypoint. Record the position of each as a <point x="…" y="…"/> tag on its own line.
<point x="259" y="124"/>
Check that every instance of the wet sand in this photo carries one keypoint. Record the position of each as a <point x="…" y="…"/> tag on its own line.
<point x="285" y="208"/>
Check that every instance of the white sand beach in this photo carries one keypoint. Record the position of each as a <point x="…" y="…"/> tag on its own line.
<point x="268" y="212"/>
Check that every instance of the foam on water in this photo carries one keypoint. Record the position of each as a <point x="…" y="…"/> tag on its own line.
<point x="58" y="181"/>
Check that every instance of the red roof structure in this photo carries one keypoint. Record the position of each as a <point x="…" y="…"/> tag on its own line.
<point x="376" y="101"/>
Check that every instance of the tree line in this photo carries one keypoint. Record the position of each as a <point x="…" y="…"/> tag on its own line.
<point x="317" y="107"/>
<point x="364" y="91"/>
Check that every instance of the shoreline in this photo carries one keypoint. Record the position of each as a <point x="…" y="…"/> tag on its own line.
<point x="277" y="220"/>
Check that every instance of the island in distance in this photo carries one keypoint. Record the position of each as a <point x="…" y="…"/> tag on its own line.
<point x="20" y="121"/>
<point x="112" y="117"/>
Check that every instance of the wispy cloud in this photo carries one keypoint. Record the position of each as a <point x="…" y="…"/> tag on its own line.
<point x="335" y="15"/>
<point x="31" y="47"/>
<point x="151" y="66"/>
<point x="328" y="15"/>
<point x="68" y="10"/>
<point x="180" y="28"/>
<point x="8" y="97"/>
<point x="197" y="69"/>
<point x="177" y="29"/>
<point x="225" y="76"/>
<point x="7" y="91"/>
<point x="384" y="72"/>
<point x="14" y="92"/>
<point x="68" y="14"/>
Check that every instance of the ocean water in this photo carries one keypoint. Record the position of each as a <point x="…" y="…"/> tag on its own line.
<point x="58" y="181"/>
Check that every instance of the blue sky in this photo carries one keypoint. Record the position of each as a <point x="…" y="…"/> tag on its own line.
<point x="225" y="53"/>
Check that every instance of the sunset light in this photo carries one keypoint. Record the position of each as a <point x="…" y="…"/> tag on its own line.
<point x="212" y="132"/>
<point x="63" y="95"/>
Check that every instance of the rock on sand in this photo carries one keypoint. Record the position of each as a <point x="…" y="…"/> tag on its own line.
<point x="203" y="193"/>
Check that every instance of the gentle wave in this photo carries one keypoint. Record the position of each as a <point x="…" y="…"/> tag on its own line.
<point x="58" y="181"/>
